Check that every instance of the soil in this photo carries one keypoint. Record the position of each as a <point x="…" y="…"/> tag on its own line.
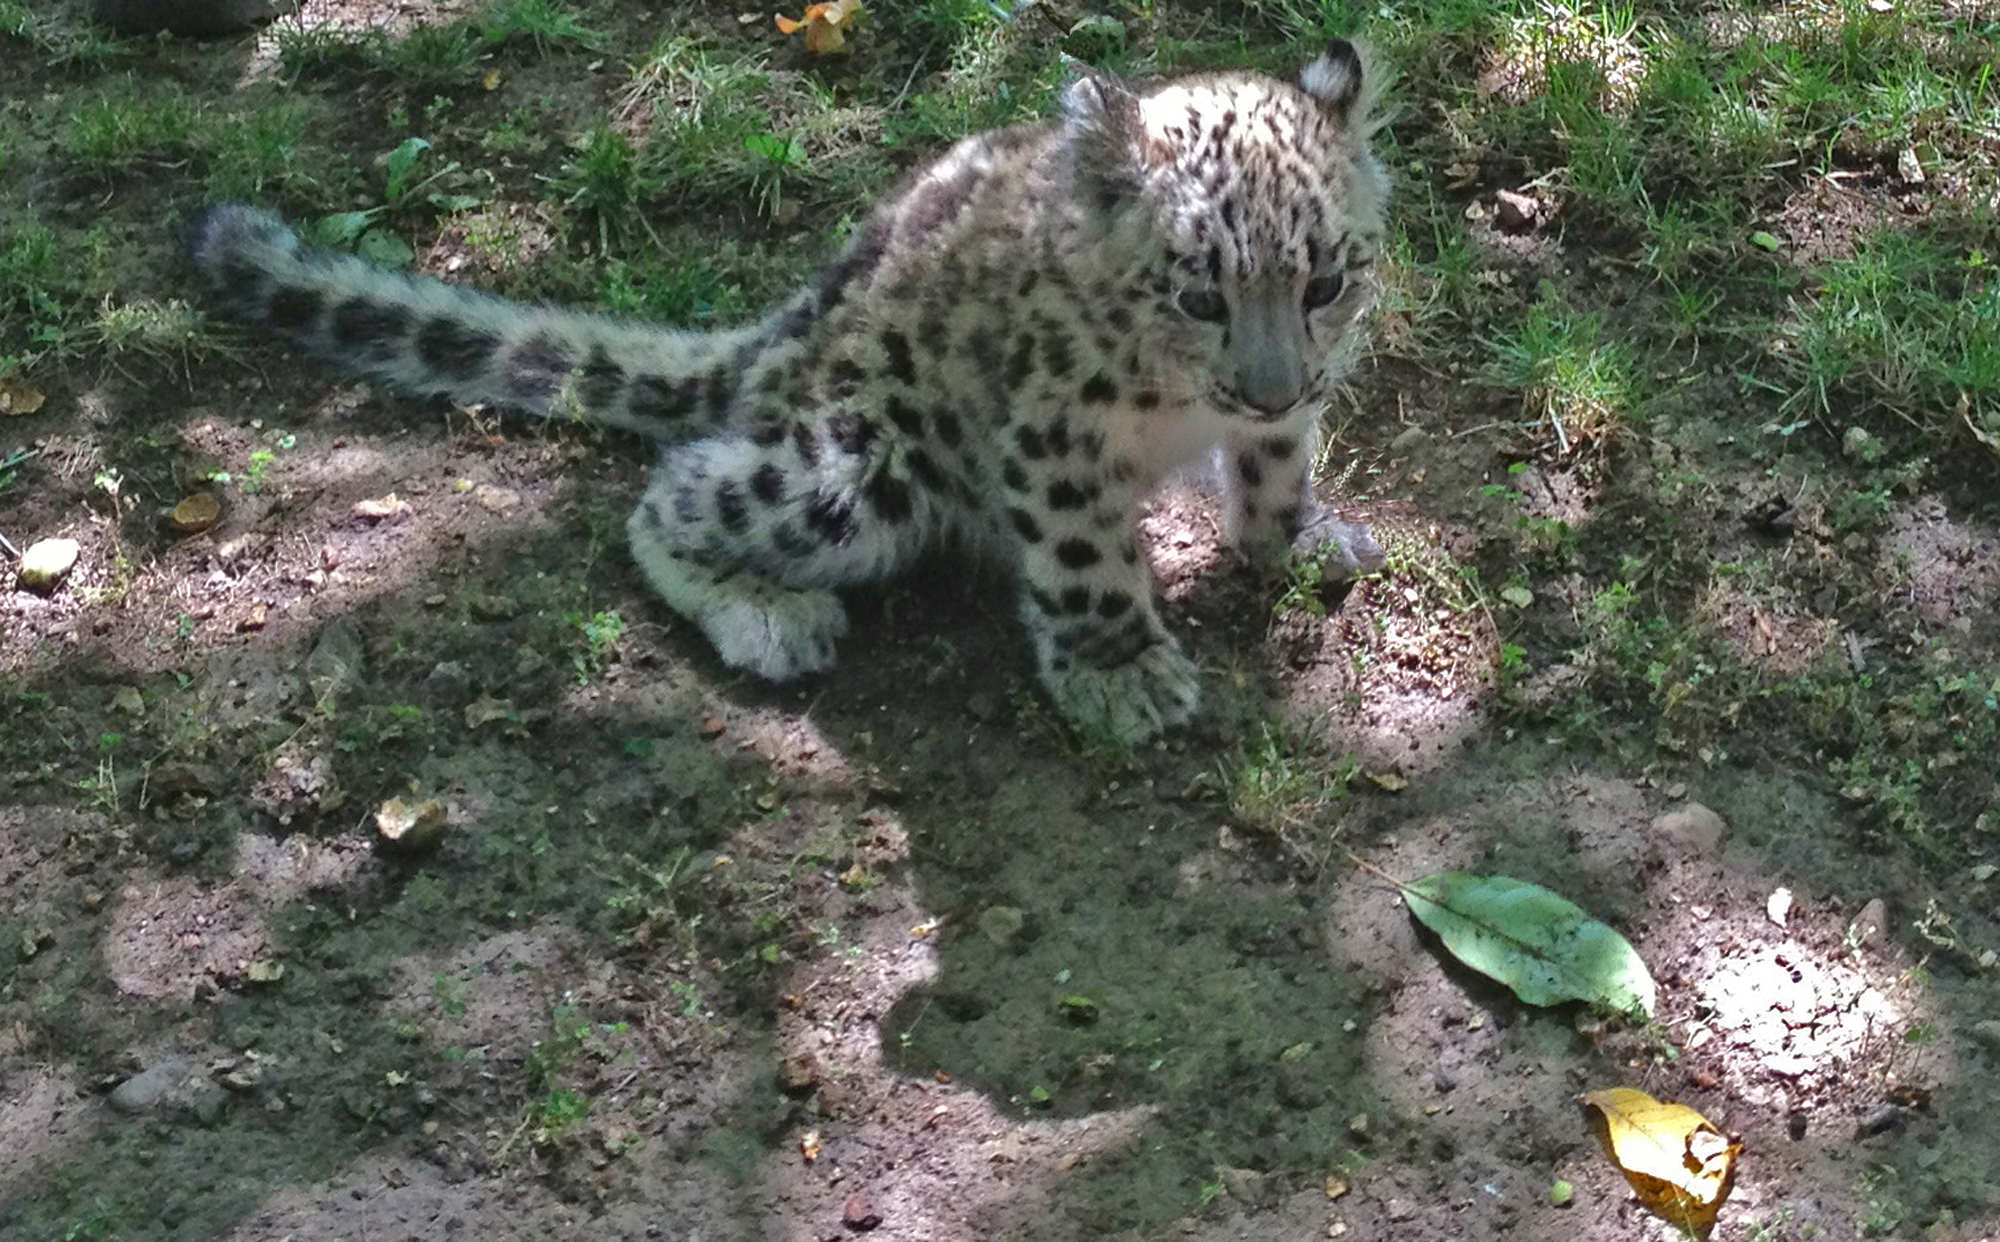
<point x="892" y="953"/>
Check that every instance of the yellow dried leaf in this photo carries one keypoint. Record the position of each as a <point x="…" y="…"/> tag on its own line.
<point x="410" y="826"/>
<point x="18" y="396"/>
<point x="826" y="25"/>
<point x="1677" y="1162"/>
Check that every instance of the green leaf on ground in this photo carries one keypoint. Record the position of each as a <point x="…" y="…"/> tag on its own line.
<point x="1539" y="944"/>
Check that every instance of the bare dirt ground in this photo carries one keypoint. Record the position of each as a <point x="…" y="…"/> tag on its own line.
<point x="695" y="959"/>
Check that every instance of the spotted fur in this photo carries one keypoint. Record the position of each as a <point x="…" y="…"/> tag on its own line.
<point x="1017" y="346"/>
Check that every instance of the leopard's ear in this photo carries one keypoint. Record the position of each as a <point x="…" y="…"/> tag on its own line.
<point x="1105" y="130"/>
<point x="1339" y="79"/>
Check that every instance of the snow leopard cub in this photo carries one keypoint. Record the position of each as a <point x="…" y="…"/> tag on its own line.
<point x="1021" y="341"/>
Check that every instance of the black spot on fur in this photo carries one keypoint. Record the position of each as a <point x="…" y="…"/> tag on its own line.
<point x="946" y="425"/>
<point x="237" y="278"/>
<point x="1057" y="437"/>
<point x="454" y="350"/>
<point x="891" y="498"/>
<point x="368" y="329"/>
<point x="536" y="367"/>
<point x="1076" y="600"/>
<point x="1250" y="468"/>
<point x="1065" y="494"/>
<point x="1289" y="518"/>
<point x="908" y="419"/>
<point x="1022" y="362"/>
<point x="1078" y="553"/>
<point x="769" y="433"/>
<point x="1061" y="360"/>
<point x="849" y="432"/>
<point x="830" y="516"/>
<point x="1013" y="475"/>
<point x="896" y="348"/>
<point x="1099" y="390"/>
<point x="1113" y="604"/>
<point x="862" y="256"/>
<point x="292" y="309"/>
<point x="934" y="202"/>
<point x="1280" y="448"/>
<point x="1119" y="318"/>
<point x="787" y="539"/>
<point x="846" y="378"/>
<point x="601" y="382"/>
<point x="716" y="390"/>
<point x="807" y="444"/>
<point x="767" y="483"/>
<point x="730" y="508"/>
<point x="1148" y="400"/>
<point x="686" y="507"/>
<point x="1030" y="530"/>
<point x="1033" y="447"/>
<point x="654" y="396"/>
<point x="926" y="470"/>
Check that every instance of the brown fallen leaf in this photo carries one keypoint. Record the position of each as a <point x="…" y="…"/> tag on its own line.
<point x="379" y="507"/>
<point x="487" y="710"/>
<point x="195" y="513"/>
<point x="410" y="826"/>
<point x="18" y="396"/>
<point x="1679" y="1164"/>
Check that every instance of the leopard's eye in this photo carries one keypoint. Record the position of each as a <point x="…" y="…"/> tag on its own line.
<point x="1203" y="304"/>
<point x="1321" y="290"/>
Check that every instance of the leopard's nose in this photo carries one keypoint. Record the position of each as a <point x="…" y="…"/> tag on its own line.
<point x="1272" y="385"/>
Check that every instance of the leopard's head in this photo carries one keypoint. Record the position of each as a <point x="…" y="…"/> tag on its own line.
<point x="1265" y="208"/>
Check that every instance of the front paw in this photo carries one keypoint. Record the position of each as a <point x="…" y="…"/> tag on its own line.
<point x="1129" y="703"/>
<point x="1342" y="549"/>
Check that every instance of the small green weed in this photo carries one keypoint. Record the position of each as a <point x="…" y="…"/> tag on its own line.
<point x="599" y="634"/>
<point x="1281" y="784"/>
<point x="1570" y="373"/>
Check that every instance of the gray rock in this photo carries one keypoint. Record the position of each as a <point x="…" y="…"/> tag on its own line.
<point x="335" y="665"/>
<point x="1987" y="1035"/>
<point x="1872" y="924"/>
<point x="143" y="1091"/>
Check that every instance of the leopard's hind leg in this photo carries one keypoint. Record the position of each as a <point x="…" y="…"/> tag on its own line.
<point x="748" y="534"/>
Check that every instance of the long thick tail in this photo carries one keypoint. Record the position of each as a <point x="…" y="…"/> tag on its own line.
<point x="425" y="336"/>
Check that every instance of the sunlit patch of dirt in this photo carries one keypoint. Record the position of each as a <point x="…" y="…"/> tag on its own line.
<point x="1947" y="570"/>
<point x="1517" y="70"/>
<point x="1398" y="673"/>
<point x="1823" y="220"/>
<point x="41" y="1113"/>
<point x="1181" y="533"/>
<point x="175" y="937"/>
<point x="396" y="18"/>
<point x="1781" y="641"/>
<point x="1795" y="1022"/>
